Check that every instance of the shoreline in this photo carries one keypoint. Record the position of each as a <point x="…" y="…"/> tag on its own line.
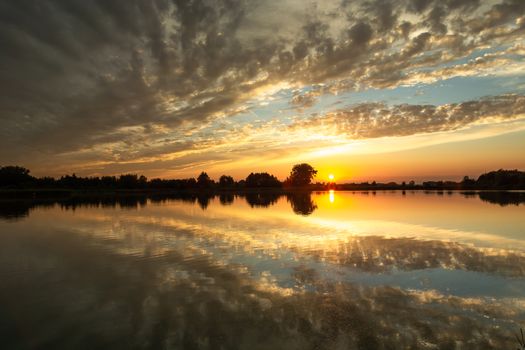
<point x="8" y="194"/>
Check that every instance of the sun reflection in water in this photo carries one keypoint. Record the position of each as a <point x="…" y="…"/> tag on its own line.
<point x="331" y="196"/>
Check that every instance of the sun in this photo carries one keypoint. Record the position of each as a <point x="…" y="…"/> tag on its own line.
<point x="331" y="177"/>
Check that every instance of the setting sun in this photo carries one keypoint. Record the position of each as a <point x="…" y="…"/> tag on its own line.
<point x="331" y="177"/>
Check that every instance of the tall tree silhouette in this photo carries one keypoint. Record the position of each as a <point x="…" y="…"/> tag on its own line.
<point x="302" y="174"/>
<point x="226" y="181"/>
<point x="204" y="181"/>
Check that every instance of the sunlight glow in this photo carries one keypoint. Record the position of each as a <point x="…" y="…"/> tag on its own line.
<point x="331" y="177"/>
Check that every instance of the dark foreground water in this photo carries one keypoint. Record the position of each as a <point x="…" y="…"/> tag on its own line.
<point x="385" y="270"/>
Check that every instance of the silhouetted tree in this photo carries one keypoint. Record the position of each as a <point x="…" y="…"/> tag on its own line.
<point x="508" y="179"/>
<point x="175" y="184"/>
<point x="45" y="182"/>
<point x="302" y="174"/>
<point x="258" y="180"/>
<point x="191" y="182"/>
<point x="468" y="182"/>
<point x="204" y="181"/>
<point x="143" y="181"/>
<point x="128" y="181"/>
<point x="108" y="181"/>
<point x="14" y="176"/>
<point x="68" y="181"/>
<point x="433" y="184"/>
<point x="226" y="181"/>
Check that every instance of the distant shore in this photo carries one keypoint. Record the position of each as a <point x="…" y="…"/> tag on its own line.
<point x="17" y="182"/>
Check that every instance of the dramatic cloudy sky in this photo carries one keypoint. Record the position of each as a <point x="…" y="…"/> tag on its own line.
<point x="362" y="89"/>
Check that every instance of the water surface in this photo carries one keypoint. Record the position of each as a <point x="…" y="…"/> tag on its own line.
<point x="331" y="270"/>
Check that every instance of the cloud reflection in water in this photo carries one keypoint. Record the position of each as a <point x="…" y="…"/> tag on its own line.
<point x="169" y="274"/>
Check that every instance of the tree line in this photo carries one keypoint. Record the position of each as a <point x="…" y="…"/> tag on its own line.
<point x="301" y="176"/>
<point x="17" y="177"/>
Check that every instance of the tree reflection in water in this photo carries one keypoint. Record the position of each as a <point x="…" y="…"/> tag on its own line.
<point x="301" y="203"/>
<point x="261" y="199"/>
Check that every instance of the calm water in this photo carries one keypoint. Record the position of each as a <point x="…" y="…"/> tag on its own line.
<point x="339" y="270"/>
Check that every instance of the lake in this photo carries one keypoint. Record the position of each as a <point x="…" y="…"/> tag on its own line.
<point x="328" y="270"/>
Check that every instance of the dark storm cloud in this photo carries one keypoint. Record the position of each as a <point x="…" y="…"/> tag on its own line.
<point x="435" y="19"/>
<point x="385" y="16"/>
<point x="371" y="120"/>
<point x="420" y="6"/>
<point x="75" y="73"/>
<point x="499" y="14"/>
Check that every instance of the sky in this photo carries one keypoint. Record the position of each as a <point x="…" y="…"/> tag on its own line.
<point x="364" y="90"/>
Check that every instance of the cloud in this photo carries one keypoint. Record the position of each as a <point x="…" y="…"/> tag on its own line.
<point x="373" y="120"/>
<point x="74" y="74"/>
<point x="306" y="99"/>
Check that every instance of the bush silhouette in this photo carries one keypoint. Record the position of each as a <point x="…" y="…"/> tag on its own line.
<point x="258" y="180"/>
<point x="14" y="176"/>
